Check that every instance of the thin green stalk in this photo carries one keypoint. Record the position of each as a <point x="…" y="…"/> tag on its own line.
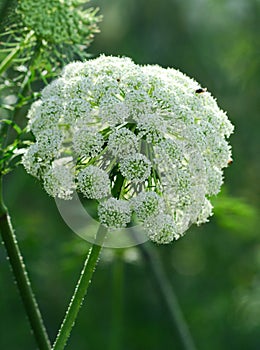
<point x="167" y="294"/>
<point x="21" y="277"/>
<point x="80" y="290"/>
<point x="117" y="302"/>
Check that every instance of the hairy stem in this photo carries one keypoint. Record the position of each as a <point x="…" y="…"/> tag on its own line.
<point x="80" y="290"/>
<point x="21" y="277"/>
<point x="167" y="294"/>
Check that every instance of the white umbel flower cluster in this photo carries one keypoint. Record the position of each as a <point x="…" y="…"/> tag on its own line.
<point x="148" y="143"/>
<point x="94" y="182"/>
<point x="122" y="142"/>
<point x="135" y="168"/>
<point x="114" y="213"/>
<point x="58" y="180"/>
<point x="146" y="205"/>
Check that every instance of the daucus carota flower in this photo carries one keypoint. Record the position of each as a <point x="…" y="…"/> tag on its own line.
<point x="148" y="143"/>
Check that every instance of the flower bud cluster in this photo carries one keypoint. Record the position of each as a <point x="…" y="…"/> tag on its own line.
<point x="59" y="22"/>
<point x="147" y="143"/>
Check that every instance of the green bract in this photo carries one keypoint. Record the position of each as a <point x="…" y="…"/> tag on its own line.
<point x="141" y="140"/>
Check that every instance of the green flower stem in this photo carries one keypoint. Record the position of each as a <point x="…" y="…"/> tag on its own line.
<point x="167" y="294"/>
<point x="21" y="277"/>
<point x="80" y="290"/>
<point x="9" y="58"/>
<point x="117" y="302"/>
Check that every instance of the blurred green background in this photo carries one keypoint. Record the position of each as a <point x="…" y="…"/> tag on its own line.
<point x="214" y="269"/>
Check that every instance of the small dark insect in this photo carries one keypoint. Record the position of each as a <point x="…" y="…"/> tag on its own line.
<point x="200" y="90"/>
<point x="118" y="80"/>
<point x="230" y="161"/>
